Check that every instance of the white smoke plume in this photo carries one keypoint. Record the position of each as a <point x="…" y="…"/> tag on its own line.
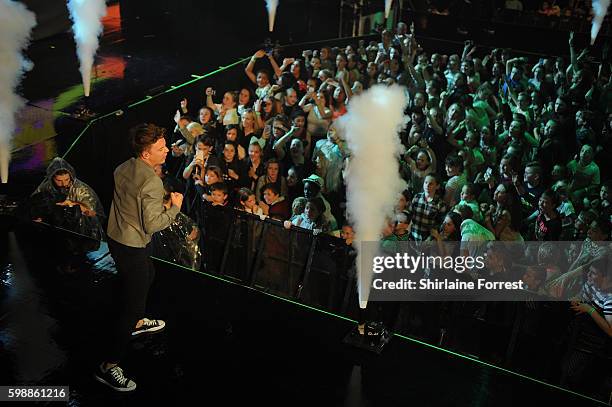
<point x="387" y="7"/>
<point x="371" y="129"/>
<point x="600" y="8"/>
<point x="271" y="5"/>
<point x="16" y="23"/>
<point x="87" y="27"/>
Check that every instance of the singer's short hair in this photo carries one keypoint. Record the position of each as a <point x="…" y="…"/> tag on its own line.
<point x="143" y="136"/>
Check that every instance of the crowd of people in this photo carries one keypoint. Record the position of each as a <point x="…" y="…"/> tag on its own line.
<point x="498" y="147"/>
<point x="521" y="141"/>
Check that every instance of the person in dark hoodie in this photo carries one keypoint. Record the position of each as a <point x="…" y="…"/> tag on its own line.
<point x="64" y="200"/>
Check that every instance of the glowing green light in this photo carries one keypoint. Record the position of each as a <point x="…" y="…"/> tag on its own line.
<point x="402" y="337"/>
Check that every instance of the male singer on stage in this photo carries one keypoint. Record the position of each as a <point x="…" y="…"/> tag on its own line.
<point x="136" y="213"/>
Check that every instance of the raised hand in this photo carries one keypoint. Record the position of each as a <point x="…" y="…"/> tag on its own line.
<point x="435" y="234"/>
<point x="266" y="133"/>
<point x="264" y="207"/>
<point x="232" y="173"/>
<point x="176" y="150"/>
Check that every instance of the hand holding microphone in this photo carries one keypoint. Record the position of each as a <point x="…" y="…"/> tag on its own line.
<point x="177" y="199"/>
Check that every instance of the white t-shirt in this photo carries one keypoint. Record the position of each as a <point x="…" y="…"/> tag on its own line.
<point x="261" y="92"/>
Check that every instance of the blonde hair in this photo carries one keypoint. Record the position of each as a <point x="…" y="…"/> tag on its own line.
<point x="299" y="205"/>
<point x="255" y="122"/>
<point x="198" y="128"/>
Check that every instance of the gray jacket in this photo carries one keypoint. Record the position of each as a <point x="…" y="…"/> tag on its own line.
<point x="137" y="210"/>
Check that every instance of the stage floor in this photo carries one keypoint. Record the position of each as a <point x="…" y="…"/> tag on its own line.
<point x="223" y="342"/>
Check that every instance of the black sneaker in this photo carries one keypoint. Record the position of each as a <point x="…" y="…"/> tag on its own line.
<point x="115" y="379"/>
<point x="149" y="326"/>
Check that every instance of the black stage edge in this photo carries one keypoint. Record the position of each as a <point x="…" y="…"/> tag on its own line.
<point x="225" y="342"/>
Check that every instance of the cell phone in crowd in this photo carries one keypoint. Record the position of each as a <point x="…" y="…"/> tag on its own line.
<point x="199" y="155"/>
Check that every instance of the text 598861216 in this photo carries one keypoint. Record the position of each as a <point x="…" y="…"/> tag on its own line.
<point x="34" y="393"/>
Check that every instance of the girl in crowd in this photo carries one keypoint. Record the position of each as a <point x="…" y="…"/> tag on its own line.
<point x="231" y="133"/>
<point x="316" y="106"/>
<point x="227" y="111"/>
<point x="504" y="216"/>
<point x="254" y="164"/>
<point x="232" y="167"/>
<point x="450" y="232"/>
<point x="249" y="127"/>
<point x="297" y="207"/>
<point x="265" y="110"/>
<point x="338" y="105"/>
<point x="297" y="67"/>
<point x="246" y="97"/>
<point x="194" y="172"/>
<point x="341" y="66"/>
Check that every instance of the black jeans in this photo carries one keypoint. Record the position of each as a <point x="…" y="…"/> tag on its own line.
<point x="135" y="273"/>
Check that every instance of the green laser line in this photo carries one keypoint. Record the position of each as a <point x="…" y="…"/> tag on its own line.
<point x="196" y="79"/>
<point x="407" y="338"/>
<point x="495" y="367"/>
<point x="149" y="98"/>
<point x="76" y="140"/>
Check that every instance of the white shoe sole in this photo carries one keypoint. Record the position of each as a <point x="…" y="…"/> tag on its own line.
<point x="150" y="331"/>
<point x="121" y="389"/>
